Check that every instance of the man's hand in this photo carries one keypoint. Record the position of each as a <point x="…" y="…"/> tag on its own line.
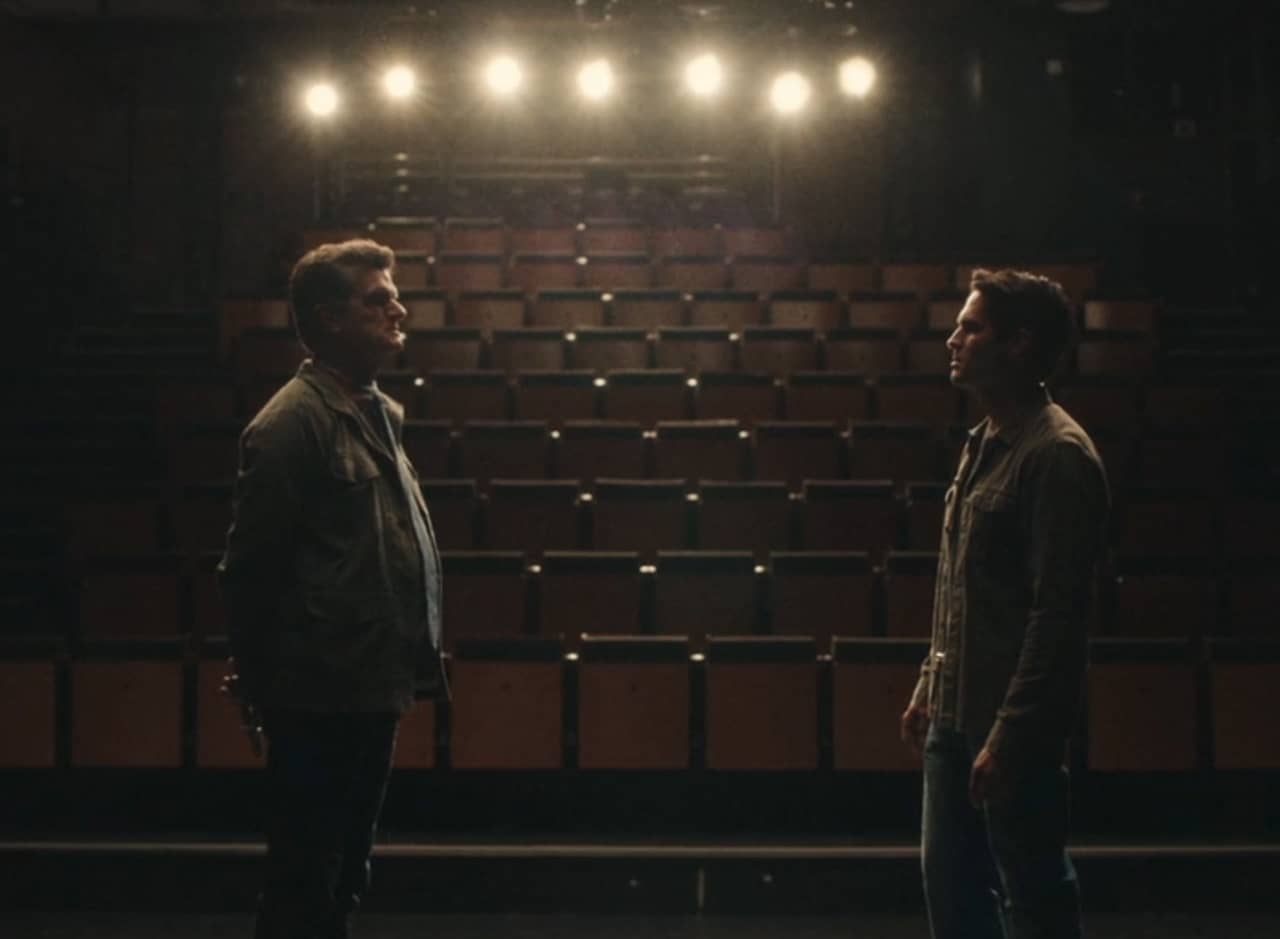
<point x="914" y="727"/>
<point x="233" y="686"/>
<point x="988" y="780"/>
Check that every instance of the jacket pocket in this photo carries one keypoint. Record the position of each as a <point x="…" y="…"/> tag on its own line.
<point x="992" y="530"/>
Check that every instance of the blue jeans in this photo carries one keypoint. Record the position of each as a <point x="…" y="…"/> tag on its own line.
<point x="1002" y="871"/>
<point x="326" y="777"/>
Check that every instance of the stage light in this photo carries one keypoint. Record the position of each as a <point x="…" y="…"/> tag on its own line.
<point x="399" y="82"/>
<point x="504" y="76"/>
<point x="595" y="80"/>
<point x="857" y="76"/>
<point x="790" y="92"/>
<point x="704" y="75"/>
<point x="322" y="99"/>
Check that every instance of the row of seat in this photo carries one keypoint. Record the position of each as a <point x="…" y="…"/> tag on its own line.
<point x="678" y="511"/>
<point x="494" y="236"/>
<point x="644" y="703"/>
<point x="735" y="438"/>
<point x="823" y="310"/>
<point x="557" y="591"/>
<point x="779" y="351"/>
<point x="454" y="389"/>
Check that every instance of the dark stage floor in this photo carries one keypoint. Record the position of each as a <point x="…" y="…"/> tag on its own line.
<point x="389" y="926"/>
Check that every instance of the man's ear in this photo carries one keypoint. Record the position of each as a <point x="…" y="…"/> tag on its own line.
<point x="1020" y="345"/>
<point x="329" y="317"/>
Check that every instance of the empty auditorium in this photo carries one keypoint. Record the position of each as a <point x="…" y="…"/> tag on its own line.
<point x="644" y="468"/>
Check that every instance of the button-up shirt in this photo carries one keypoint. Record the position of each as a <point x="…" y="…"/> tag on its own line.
<point x="1023" y="530"/>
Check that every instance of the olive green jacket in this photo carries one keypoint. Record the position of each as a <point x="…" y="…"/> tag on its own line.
<point x="1023" y="530"/>
<point x="322" y="576"/>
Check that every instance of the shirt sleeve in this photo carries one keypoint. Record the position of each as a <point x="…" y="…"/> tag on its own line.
<point x="266" y="514"/>
<point x="1064" y="521"/>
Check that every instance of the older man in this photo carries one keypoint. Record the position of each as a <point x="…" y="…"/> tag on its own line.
<point x="1023" y="530"/>
<point x="332" y="582"/>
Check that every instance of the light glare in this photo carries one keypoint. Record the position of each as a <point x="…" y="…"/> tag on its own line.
<point x="704" y="75"/>
<point x="595" y="80"/>
<point x="790" y="92"/>
<point x="504" y="76"/>
<point x="322" y="99"/>
<point x="400" y="82"/>
<point x="857" y="76"/>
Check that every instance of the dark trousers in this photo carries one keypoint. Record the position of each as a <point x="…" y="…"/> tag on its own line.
<point x="1002" y="871"/>
<point x="326" y="777"/>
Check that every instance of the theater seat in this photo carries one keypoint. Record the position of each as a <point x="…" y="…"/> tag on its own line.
<point x="794" y="451"/>
<point x="838" y="515"/>
<point x="453" y="506"/>
<point x="745" y="397"/>
<point x="727" y="309"/>
<point x="597" y="592"/>
<point x="1173" y="597"/>
<point x="528" y="349"/>
<point x="507" y="705"/>
<point x="762" y="704"/>
<point x="567" y="309"/>
<point x="843" y="278"/>
<point x="478" y="235"/>
<point x="532" y="516"/>
<point x="864" y="351"/>
<point x="591" y="449"/>
<point x="506" y="449"/>
<point x="646" y="309"/>
<point x="1142" y="703"/>
<point x="447" y="349"/>
<point x="634" y="703"/>
<point x="693" y="450"/>
<point x="744" y="516"/>
<point x="838" y="397"/>
<point x="466" y="271"/>
<point x="485" y="594"/>
<point x="695" y="349"/>
<point x="820" y="594"/>
<point x="555" y="397"/>
<point x="126" y="705"/>
<point x="700" y="593"/>
<point x="1244" y="690"/>
<point x="909" y="582"/>
<point x="489" y="310"/>
<point x="608" y="349"/>
<point x="131" y="597"/>
<point x="429" y="447"/>
<point x="646" y="396"/>
<point x="541" y="270"/>
<point x="29" y="677"/>
<point x="467" y="395"/>
<point x="872" y="681"/>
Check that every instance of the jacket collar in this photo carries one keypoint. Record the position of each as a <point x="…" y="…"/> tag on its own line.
<point x="334" y="392"/>
<point x="1012" y="433"/>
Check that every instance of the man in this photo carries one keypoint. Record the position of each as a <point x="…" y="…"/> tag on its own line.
<point x="1023" y="528"/>
<point x="332" y="582"/>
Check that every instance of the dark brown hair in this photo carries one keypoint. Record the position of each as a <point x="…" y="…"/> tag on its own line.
<point x="323" y="276"/>
<point x="1017" y="300"/>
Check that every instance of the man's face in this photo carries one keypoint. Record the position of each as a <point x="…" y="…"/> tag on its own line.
<point x="368" y="325"/>
<point x="978" y="359"/>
